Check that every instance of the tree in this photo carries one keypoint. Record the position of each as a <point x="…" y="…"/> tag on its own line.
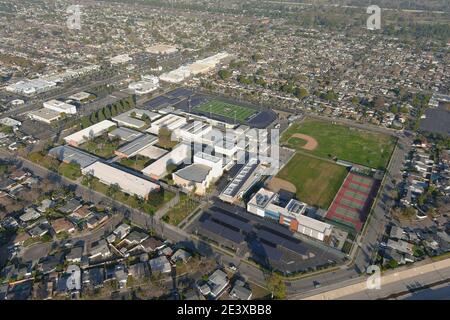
<point x="276" y="286"/>
<point x="224" y="74"/>
<point x="113" y="190"/>
<point x="301" y="92"/>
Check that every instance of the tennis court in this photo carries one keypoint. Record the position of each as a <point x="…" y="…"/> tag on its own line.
<point x="352" y="203"/>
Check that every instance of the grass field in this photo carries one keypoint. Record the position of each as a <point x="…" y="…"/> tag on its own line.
<point x="317" y="181"/>
<point x="357" y="146"/>
<point x="226" y="110"/>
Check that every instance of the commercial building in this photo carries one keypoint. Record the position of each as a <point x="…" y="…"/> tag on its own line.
<point x="289" y="212"/>
<point x="31" y="87"/>
<point x="89" y="133"/>
<point x="127" y="182"/>
<point x="44" y="115"/>
<point x="60" y="106"/>
<point x="178" y="155"/>
<point x="145" y="86"/>
<point x="80" y="96"/>
<point x="136" y="146"/>
<point x="169" y="121"/>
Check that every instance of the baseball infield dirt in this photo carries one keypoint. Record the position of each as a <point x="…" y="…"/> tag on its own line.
<point x="311" y="143"/>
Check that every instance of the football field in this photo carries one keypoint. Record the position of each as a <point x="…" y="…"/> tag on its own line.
<point x="223" y="109"/>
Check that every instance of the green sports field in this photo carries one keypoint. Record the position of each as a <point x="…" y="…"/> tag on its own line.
<point x="346" y="143"/>
<point x="317" y="181"/>
<point x="226" y="110"/>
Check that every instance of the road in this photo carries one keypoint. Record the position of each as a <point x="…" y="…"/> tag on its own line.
<point x="403" y="280"/>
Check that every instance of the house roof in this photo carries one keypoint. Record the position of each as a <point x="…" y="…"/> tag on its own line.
<point x="62" y="224"/>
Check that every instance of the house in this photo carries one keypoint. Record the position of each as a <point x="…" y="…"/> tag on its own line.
<point x="70" y="206"/>
<point x="45" y="205"/>
<point x="21" y="238"/>
<point x="136" y="237"/>
<point x="82" y="213"/>
<point x="401" y="246"/>
<point x="118" y="273"/>
<point x="62" y="225"/>
<point x="49" y="264"/>
<point x="217" y="282"/>
<point x="139" y="270"/>
<point x="240" y="291"/>
<point x="160" y="264"/>
<point x="398" y="233"/>
<point x="167" y="251"/>
<point x="94" y="277"/>
<point x="9" y="223"/>
<point x="100" y="250"/>
<point x="152" y="244"/>
<point x="75" y="254"/>
<point x="73" y="281"/>
<point x="180" y="255"/>
<point x="96" y="219"/>
<point x="122" y="231"/>
<point x="18" y="175"/>
<point x="38" y="231"/>
<point x="29" y="215"/>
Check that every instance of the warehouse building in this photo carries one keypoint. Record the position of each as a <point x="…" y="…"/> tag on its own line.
<point x="136" y="146"/>
<point x="89" y="133"/>
<point x="127" y="182"/>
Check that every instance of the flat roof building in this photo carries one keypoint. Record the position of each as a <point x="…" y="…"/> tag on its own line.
<point x="125" y="134"/>
<point x="70" y="154"/>
<point x="133" y="118"/>
<point x="129" y="183"/>
<point x="136" y="146"/>
<point x="169" y="121"/>
<point x="195" y="177"/>
<point x="178" y="155"/>
<point x="44" y="115"/>
<point x="60" y="106"/>
<point x="89" y="133"/>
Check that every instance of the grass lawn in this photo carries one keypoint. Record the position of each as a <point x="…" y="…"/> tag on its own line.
<point x="317" y="181"/>
<point x="137" y="162"/>
<point x="361" y="147"/>
<point x="101" y="146"/>
<point x="69" y="170"/>
<point x="184" y="207"/>
<point x="226" y="110"/>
